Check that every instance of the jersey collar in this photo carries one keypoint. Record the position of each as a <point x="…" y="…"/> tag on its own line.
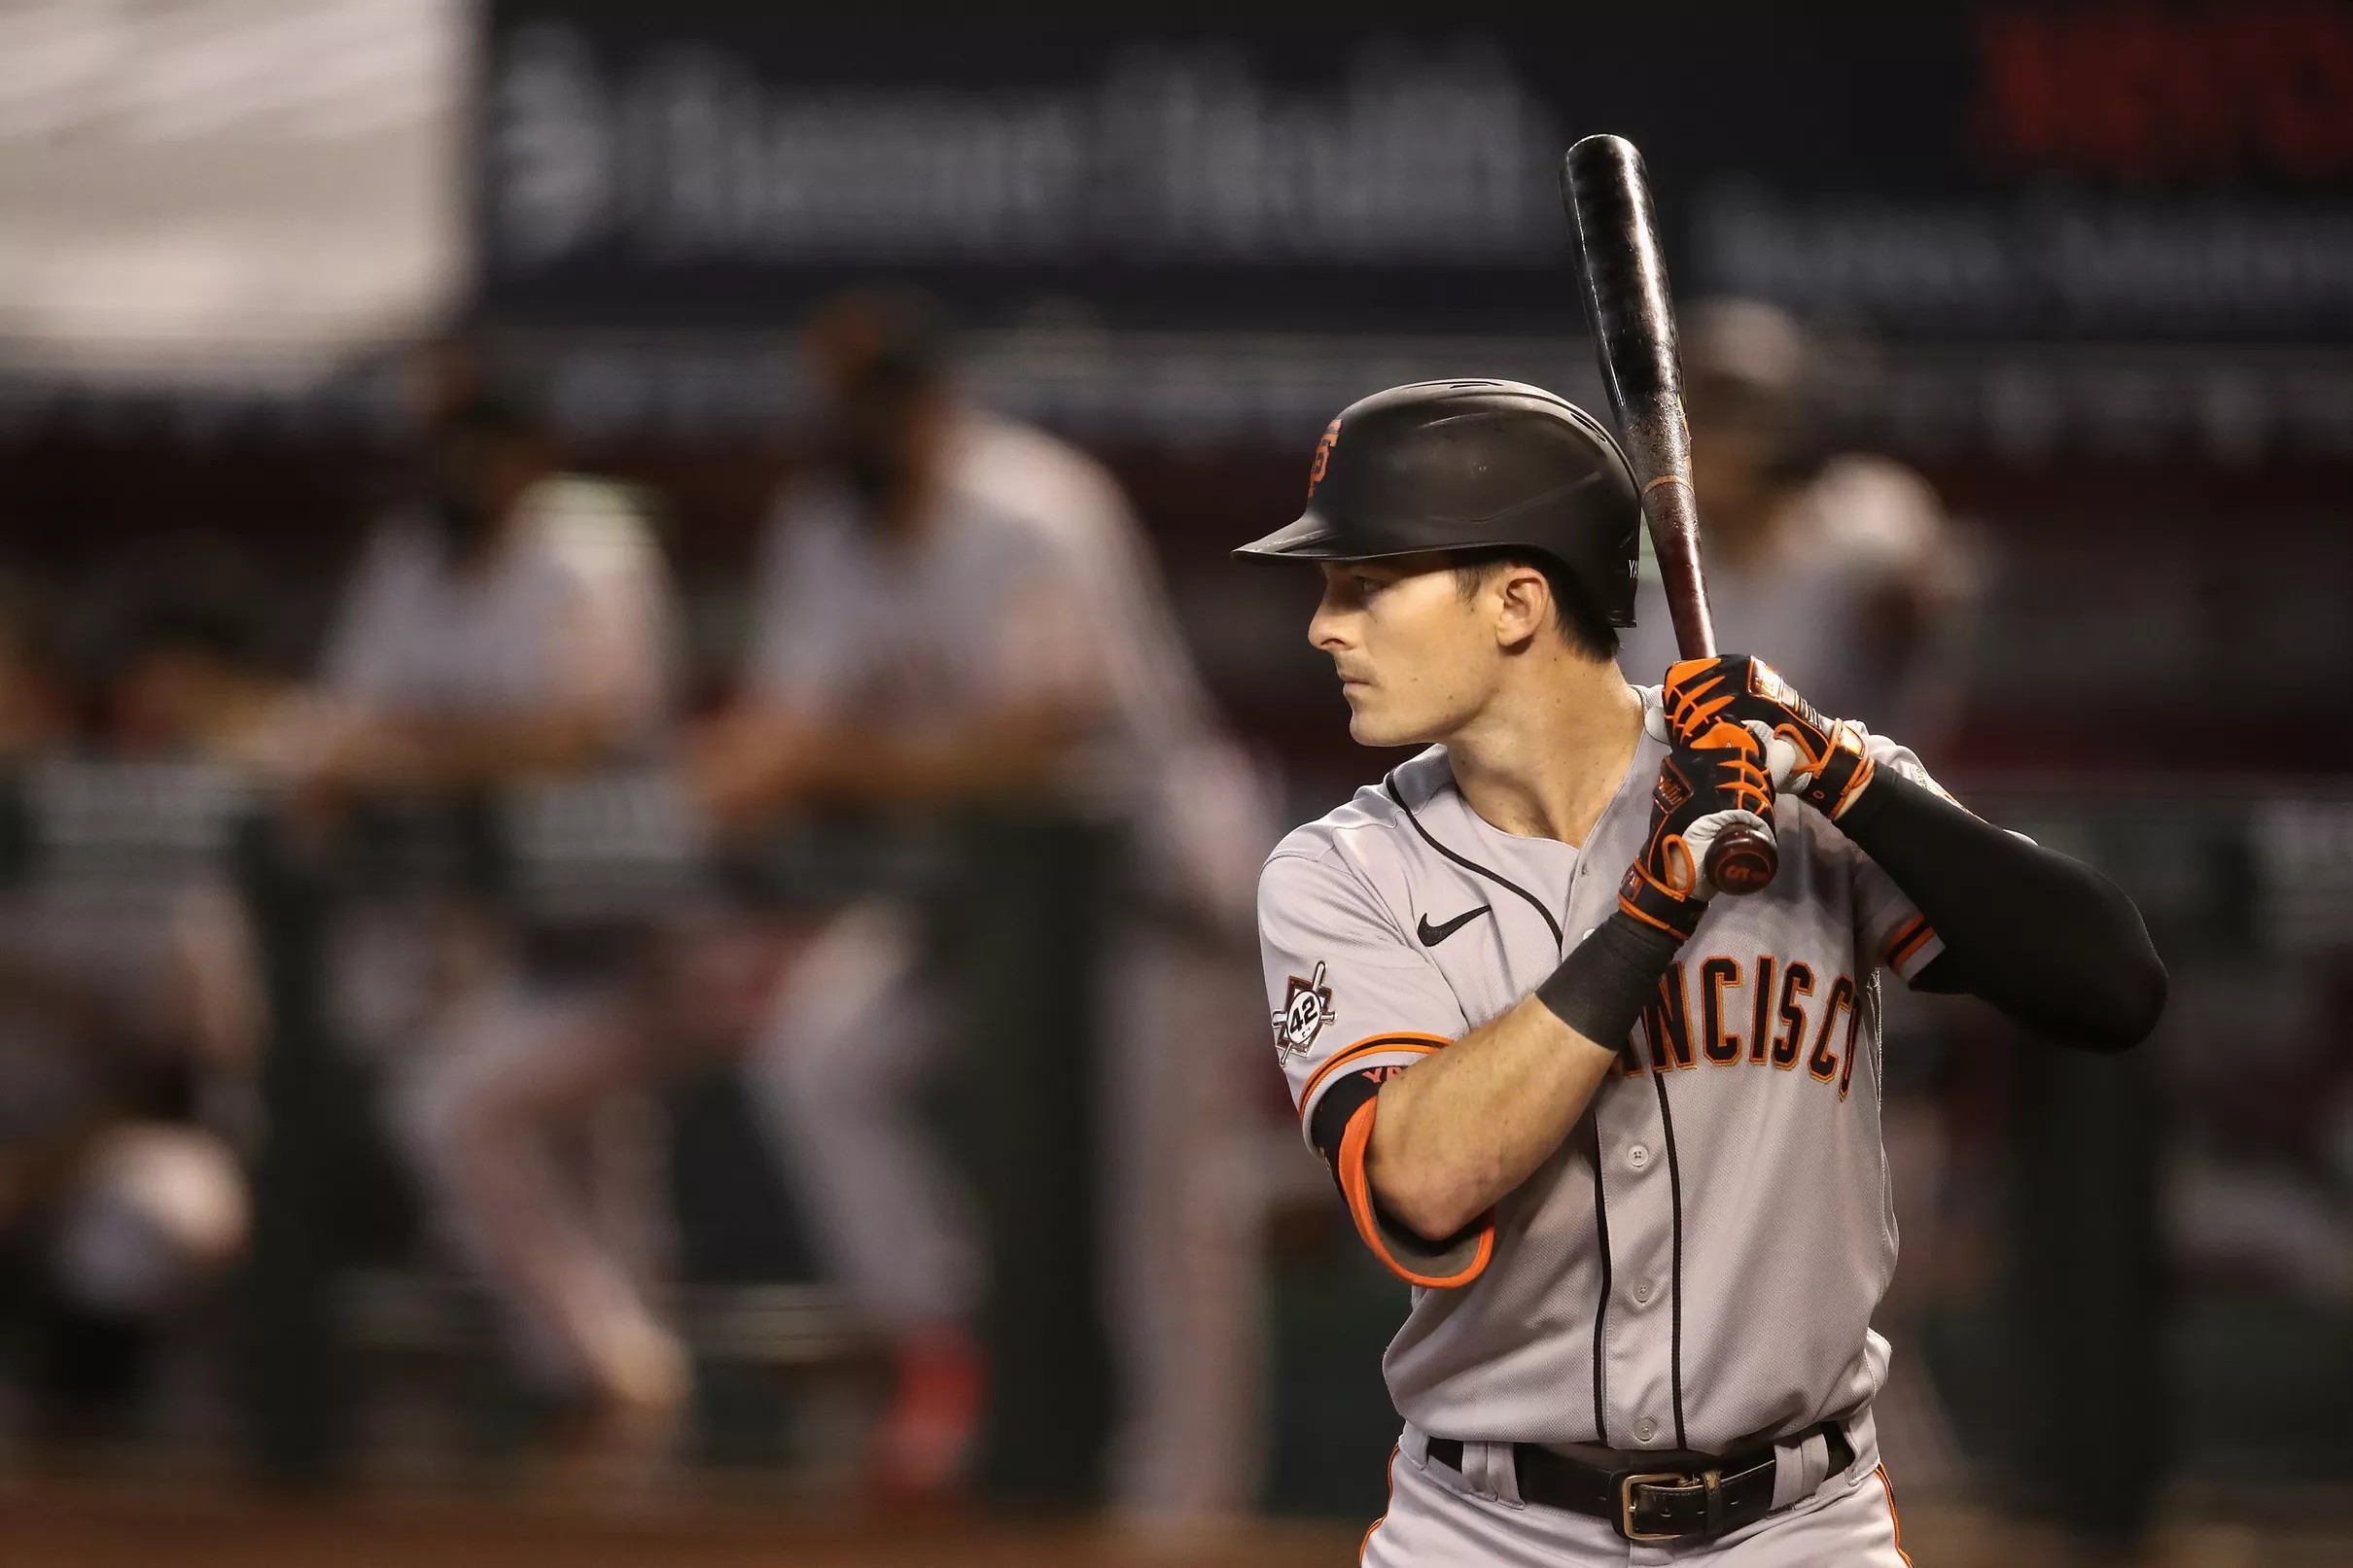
<point x="1426" y="783"/>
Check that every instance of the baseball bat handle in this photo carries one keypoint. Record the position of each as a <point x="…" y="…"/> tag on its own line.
<point x="1742" y="860"/>
<point x="1672" y="513"/>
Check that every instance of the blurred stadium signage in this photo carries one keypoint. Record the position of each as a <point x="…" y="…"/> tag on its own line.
<point x="2113" y="172"/>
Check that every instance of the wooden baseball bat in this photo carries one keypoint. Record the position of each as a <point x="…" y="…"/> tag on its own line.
<point x="1633" y="318"/>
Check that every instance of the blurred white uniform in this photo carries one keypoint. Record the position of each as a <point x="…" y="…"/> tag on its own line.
<point x="572" y="614"/>
<point x="1032" y="585"/>
<point x="1859" y="526"/>
<point x="573" y="610"/>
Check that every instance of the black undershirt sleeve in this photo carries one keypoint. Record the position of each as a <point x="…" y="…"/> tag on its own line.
<point x="1335" y="1110"/>
<point x="2051" y="942"/>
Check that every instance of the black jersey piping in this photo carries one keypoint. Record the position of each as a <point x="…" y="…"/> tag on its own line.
<point x="1601" y="1308"/>
<point x="1674" y="1193"/>
<point x="1390" y="784"/>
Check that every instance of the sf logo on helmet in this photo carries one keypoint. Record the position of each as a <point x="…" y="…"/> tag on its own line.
<point x="1323" y="456"/>
<point x="1305" y="1010"/>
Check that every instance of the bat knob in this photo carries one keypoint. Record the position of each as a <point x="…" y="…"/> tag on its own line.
<point x="1742" y="860"/>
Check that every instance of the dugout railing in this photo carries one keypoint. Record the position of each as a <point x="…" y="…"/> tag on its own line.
<point x="1016" y="905"/>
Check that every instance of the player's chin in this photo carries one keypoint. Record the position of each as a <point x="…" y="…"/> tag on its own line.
<point x="1371" y="723"/>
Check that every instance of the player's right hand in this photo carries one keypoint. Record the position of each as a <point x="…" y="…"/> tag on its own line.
<point x="1700" y="792"/>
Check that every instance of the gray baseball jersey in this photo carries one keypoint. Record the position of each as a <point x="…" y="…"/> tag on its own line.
<point x="1697" y="1264"/>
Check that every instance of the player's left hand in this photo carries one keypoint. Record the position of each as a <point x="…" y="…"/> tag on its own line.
<point x="1700" y="792"/>
<point x="1816" y="758"/>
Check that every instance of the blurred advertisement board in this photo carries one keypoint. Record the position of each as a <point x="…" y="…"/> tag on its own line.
<point x="225" y="193"/>
<point x="2116" y="172"/>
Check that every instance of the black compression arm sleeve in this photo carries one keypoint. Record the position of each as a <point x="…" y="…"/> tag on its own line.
<point x="2051" y="942"/>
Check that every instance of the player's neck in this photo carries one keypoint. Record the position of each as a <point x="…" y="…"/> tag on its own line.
<point x="1545" y="759"/>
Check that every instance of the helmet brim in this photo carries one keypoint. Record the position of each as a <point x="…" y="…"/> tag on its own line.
<point x="1309" y="537"/>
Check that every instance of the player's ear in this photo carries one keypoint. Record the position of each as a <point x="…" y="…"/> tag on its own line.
<point x="1524" y="603"/>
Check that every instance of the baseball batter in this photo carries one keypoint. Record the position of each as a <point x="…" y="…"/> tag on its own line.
<point x="1620" y="1135"/>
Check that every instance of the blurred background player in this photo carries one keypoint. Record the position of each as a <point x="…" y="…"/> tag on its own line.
<point x="957" y="610"/>
<point x="189" y="672"/>
<point x="1847" y="568"/>
<point x="129" y="1024"/>
<point x="514" y="624"/>
<point x="1844" y="563"/>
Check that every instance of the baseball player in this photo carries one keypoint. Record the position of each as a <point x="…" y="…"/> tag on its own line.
<point x="1620" y="1134"/>
<point x="959" y="610"/>
<point x="518" y="625"/>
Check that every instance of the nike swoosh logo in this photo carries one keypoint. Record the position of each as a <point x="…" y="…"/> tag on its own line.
<point x="1432" y="935"/>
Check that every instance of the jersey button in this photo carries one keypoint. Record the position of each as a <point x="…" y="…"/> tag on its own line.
<point x="1639" y="1156"/>
<point x="1646" y="1429"/>
<point x="1642" y="1292"/>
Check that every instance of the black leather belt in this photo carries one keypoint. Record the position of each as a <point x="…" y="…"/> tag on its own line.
<point x="1656" y="1505"/>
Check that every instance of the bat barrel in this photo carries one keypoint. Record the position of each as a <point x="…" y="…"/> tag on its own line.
<point x="1626" y="303"/>
<point x="1631" y="312"/>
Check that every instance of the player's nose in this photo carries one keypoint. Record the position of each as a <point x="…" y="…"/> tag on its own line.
<point x="1326" y="629"/>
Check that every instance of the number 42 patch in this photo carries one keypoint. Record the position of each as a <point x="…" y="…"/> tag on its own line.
<point x="1306" y="1009"/>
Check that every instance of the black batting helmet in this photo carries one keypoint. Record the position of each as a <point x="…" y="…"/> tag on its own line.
<point x="1471" y="465"/>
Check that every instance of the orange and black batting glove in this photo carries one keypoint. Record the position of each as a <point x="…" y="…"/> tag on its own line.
<point x="1814" y="757"/>
<point x="1700" y="792"/>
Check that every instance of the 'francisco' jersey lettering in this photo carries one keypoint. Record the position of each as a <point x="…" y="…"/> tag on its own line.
<point x="1697" y="1265"/>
